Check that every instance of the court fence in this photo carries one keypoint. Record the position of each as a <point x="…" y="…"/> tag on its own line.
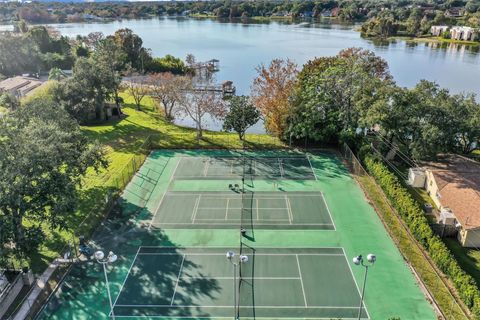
<point x="432" y="281"/>
<point x="215" y="140"/>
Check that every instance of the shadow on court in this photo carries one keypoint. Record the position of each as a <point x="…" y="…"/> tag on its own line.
<point x="82" y="294"/>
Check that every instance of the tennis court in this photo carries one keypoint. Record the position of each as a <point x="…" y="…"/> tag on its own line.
<point x="293" y="168"/>
<point x="277" y="283"/>
<point x="263" y="210"/>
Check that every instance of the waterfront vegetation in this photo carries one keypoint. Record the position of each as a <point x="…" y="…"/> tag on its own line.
<point x="380" y="18"/>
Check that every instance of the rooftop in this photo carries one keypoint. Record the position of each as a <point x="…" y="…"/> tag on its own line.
<point x="458" y="182"/>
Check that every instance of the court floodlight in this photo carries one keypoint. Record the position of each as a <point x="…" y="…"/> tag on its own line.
<point x="371" y="258"/>
<point x="111" y="258"/>
<point x="230" y="255"/>
<point x="358" y="260"/>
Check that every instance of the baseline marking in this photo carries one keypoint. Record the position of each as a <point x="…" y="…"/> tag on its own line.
<point x="226" y="210"/>
<point x="289" y="213"/>
<point x="205" y="168"/>
<point x="163" y="196"/>
<point x="311" y="167"/>
<point x="178" y="278"/>
<point x="301" y="281"/>
<point x="195" y="208"/>
<point x="328" y="210"/>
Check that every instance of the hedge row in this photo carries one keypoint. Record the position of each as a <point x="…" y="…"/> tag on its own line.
<point x="413" y="216"/>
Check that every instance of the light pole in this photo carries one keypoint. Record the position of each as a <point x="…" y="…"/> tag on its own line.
<point x="111" y="258"/>
<point x="242" y="259"/>
<point x="358" y="260"/>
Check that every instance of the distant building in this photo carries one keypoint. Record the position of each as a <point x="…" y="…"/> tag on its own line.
<point x="456" y="32"/>
<point x="463" y="33"/>
<point x="20" y="86"/>
<point x="438" y="30"/>
<point x="455" y="12"/>
<point x="453" y="183"/>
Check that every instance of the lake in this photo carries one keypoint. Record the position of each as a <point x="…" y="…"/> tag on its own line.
<point x="241" y="47"/>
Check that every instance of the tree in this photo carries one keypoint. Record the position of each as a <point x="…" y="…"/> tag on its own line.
<point x="198" y="102"/>
<point x="84" y="94"/>
<point x="56" y="74"/>
<point x="241" y="116"/>
<point x="138" y="89"/>
<point x="131" y="44"/>
<point x="41" y="189"/>
<point x="271" y="90"/>
<point x="334" y="94"/>
<point x="111" y="58"/>
<point x="167" y="89"/>
<point x="167" y="64"/>
<point x="9" y="101"/>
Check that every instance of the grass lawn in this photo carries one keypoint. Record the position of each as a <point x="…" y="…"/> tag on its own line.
<point x="123" y="140"/>
<point x="469" y="259"/>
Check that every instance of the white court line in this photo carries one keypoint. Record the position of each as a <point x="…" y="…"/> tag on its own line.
<point x="178" y="278"/>
<point x="163" y="196"/>
<point x="222" y="224"/>
<point x="212" y="317"/>
<point x="222" y="254"/>
<point x="355" y="280"/>
<point x="289" y="208"/>
<point x="215" y="195"/>
<point x="311" y="167"/>
<point x="226" y="210"/>
<point x="280" y="165"/>
<point x="301" y="281"/>
<point x="328" y="210"/>
<point x="235" y="208"/>
<point x="195" y="208"/>
<point x="248" y="278"/>
<point x="243" y="306"/>
<point x="205" y="168"/>
<point x="126" y="277"/>
<point x="239" y="219"/>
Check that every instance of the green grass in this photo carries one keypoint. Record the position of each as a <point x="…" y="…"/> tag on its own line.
<point x="122" y="140"/>
<point x="468" y="258"/>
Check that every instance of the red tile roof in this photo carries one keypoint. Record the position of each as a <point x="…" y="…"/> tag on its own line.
<point x="458" y="182"/>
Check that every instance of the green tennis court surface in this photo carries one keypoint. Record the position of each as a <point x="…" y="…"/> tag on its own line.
<point x="263" y="210"/>
<point x="304" y="219"/>
<point x="293" y="168"/>
<point x="276" y="283"/>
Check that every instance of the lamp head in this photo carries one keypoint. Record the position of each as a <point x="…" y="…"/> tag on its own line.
<point x="371" y="258"/>
<point x="99" y="255"/>
<point x="358" y="260"/>
<point x="243" y="258"/>
<point x="230" y="255"/>
<point x="112" y="257"/>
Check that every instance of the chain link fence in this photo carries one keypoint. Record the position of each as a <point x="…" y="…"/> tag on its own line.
<point x="432" y="282"/>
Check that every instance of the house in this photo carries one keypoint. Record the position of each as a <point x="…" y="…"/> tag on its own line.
<point x="463" y="33"/>
<point x="455" y="12"/>
<point x="453" y="183"/>
<point x="20" y="86"/>
<point x="437" y="31"/>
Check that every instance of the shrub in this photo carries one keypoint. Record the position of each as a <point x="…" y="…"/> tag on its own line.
<point x="413" y="216"/>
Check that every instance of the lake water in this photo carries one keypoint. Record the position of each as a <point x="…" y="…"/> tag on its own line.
<point x="241" y="47"/>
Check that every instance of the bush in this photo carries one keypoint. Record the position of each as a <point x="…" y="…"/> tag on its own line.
<point x="413" y="216"/>
<point x="167" y="64"/>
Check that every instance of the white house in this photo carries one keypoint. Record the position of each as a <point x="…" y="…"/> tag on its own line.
<point x="438" y="30"/>
<point x="463" y="33"/>
<point x="453" y="183"/>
